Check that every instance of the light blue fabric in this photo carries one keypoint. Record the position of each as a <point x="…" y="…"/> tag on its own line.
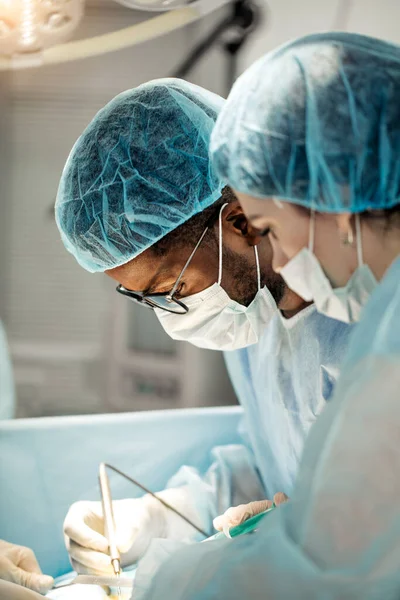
<point x="316" y="122"/>
<point x="139" y="170"/>
<point x="222" y="469"/>
<point x="283" y="383"/>
<point x="7" y="390"/>
<point x="49" y="463"/>
<point x="233" y="478"/>
<point x="339" y="536"/>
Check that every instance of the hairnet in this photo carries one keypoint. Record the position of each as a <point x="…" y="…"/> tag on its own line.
<point x="139" y="170"/>
<point x="317" y="123"/>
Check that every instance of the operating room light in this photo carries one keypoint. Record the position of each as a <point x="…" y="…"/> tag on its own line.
<point x="156" y="5"/>
<point x="33" y="25"/>
<point x="34" y="32"/>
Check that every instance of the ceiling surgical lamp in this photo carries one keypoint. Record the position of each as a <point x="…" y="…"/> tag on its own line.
<point x="35" y="32"/>
<point x="31" y="25"/>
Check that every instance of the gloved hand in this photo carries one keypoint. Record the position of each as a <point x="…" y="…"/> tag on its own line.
<point x="236" y="515"/>
<point x="11" y="591"/>
<point x="137" y="522"/>
<point x="19" y="565"/>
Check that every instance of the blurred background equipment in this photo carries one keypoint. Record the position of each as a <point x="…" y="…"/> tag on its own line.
<point x="32" y="25"/>
<point x="231" y="32"/>
<point x="29" y="29"/>
<point x="7" y="392"/>
<point x="76" y="346"/>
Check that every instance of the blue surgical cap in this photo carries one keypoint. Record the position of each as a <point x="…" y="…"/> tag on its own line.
<point x="316" y="123"/>
<point x="139" y="170"/>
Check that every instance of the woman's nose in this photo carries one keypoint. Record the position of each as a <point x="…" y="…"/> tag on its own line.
<point x="279" y="258"/>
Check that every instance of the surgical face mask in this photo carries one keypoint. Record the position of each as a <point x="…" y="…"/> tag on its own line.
<point x="304" y="275"/>
<point x="216" y="322"/>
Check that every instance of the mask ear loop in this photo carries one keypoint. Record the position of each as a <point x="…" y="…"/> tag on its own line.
<point x="258" y="268"/>
<point x="311" y="231"/>
<point x="220" y="244"/>
<point x="359" y="240"/>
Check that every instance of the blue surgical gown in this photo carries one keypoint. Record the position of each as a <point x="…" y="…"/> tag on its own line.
<point x="339" y="536"/>
<point x="282" y="383"/>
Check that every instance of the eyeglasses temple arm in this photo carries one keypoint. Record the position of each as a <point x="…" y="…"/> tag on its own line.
<point x="177" y="282"/>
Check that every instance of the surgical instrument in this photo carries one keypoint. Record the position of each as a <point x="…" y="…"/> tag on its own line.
<point x="109" y="519"/>
<point x="249" y="526"/>
<point x="104" y="581"/>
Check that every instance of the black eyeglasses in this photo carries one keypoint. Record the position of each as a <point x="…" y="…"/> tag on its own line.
<point x="165" y="301"/>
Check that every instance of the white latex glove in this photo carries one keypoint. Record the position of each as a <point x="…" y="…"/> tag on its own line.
<point x="19" y="565"/>
<point x="11" y="591"/>
<point x="236" y="515"/>
<point x="137" y="522"/>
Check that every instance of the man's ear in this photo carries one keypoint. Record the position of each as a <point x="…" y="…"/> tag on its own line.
<point x="237" y="222"/>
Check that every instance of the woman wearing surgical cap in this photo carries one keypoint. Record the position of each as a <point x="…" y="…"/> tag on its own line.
<point x="310" y="141"/>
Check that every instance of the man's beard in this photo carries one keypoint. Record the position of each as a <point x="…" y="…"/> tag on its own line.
<point x="245" y="278"/>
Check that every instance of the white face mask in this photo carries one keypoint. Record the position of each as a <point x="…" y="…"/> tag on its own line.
<point x="216" y="322"/>
<point x="304" y="275"/>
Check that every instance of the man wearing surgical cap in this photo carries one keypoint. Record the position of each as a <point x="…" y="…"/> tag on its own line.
<point x="310" y="140"/>
<point x="140" y="200"/>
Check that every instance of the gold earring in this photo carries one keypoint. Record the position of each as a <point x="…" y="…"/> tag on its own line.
<point x="347" y="239"/>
